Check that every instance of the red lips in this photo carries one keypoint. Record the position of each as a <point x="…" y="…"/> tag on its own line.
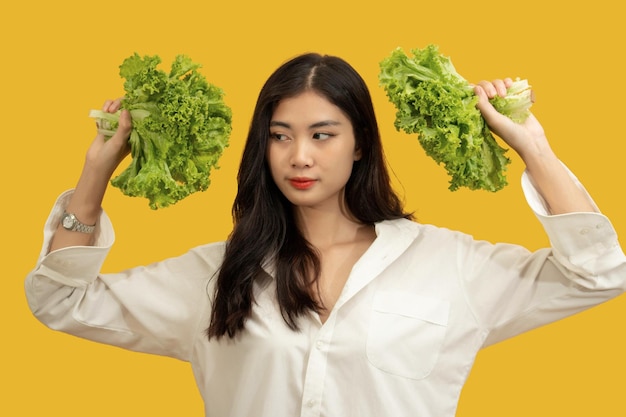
<point x="301" y="183"/>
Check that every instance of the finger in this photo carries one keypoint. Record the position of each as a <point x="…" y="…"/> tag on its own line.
<point x="116" y="105"/>
<point x="500" y="87"/>
<point x="488" y="88"/>
<point x="125" y="124"/>
<point x="481" y="91"/>
<point x="122" y="133"/>
<point x="107" y="105"/>
<point x="490" y="114"/>
<point x="112" y="106"/>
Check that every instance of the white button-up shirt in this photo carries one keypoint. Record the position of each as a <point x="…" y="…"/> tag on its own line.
<point x="400" y="341"/>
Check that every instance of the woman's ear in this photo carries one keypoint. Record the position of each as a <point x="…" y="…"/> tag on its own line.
<point x="357" y="154"/>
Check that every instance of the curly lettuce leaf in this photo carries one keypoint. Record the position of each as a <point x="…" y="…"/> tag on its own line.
<point x="438" y="104"/>
<point x="181" y="126"/>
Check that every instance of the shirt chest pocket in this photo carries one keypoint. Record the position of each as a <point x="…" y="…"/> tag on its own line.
<point x="406" y="333"/>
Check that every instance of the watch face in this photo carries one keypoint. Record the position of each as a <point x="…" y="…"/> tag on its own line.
<point x="68" y="221"/>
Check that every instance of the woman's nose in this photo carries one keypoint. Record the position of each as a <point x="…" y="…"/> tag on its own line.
<point x="302" y="154"/>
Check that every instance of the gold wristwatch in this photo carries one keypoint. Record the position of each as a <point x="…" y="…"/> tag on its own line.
<point x="71" y="223"/>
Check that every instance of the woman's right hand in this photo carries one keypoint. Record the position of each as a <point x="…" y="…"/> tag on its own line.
<point x="104" y="155"/>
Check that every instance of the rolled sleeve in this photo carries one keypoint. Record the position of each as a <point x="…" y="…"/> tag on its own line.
<point x="76" y="266"/>
<point x="585" y="243"/>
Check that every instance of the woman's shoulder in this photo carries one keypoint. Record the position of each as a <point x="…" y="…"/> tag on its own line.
<point x="211" y="250"/>
<point x="412" y="228"/>
<point x="408" y="225"/>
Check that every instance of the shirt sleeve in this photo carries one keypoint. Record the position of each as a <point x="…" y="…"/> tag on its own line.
<point x="583" y="243"/>
<point x="159" y="308"/>
<point x="512" y="290"/>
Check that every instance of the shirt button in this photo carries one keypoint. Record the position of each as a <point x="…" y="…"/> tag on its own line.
<point x="310" y="403"/>
<point x="319" y="344"/>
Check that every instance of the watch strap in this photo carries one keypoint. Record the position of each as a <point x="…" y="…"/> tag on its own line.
<point x="77" y="225"/>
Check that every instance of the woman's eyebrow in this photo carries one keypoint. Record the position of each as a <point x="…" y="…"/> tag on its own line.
<point x="324" y="123"/>
<point x="315" y="125"/>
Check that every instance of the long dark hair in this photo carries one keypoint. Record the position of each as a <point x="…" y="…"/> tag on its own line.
<point x="264" y="225"/>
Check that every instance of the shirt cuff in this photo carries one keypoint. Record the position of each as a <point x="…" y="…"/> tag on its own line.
<point x="584" y="242"/>
<point x="74" y="265"/>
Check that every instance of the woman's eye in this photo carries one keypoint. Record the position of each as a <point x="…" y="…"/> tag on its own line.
<point x="278" y="136"/>
<point x="321" y="136"/>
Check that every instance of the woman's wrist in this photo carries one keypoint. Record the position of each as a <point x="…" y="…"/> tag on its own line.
<point x="86" y="201"/>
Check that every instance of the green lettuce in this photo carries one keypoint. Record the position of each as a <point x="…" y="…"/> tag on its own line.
<point x="438" y="104"/>
<point x="181" y="126"/>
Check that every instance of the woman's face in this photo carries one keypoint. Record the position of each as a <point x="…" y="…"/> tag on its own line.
<point x="311" y="150"/>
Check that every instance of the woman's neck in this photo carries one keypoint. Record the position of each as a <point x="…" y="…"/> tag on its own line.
<point x="326" y="228"/>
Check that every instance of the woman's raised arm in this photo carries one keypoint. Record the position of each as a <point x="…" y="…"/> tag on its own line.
<point x="103" y="157"/>
<point x="528" y="139"/>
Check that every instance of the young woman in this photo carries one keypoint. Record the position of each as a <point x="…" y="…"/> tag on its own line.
<point x="327" y="299"/>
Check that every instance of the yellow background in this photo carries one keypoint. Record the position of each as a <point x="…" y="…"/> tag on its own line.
<point x="60" y="59"/>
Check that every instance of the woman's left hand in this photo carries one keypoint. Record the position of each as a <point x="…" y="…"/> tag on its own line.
<point x="525" y="138"/>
